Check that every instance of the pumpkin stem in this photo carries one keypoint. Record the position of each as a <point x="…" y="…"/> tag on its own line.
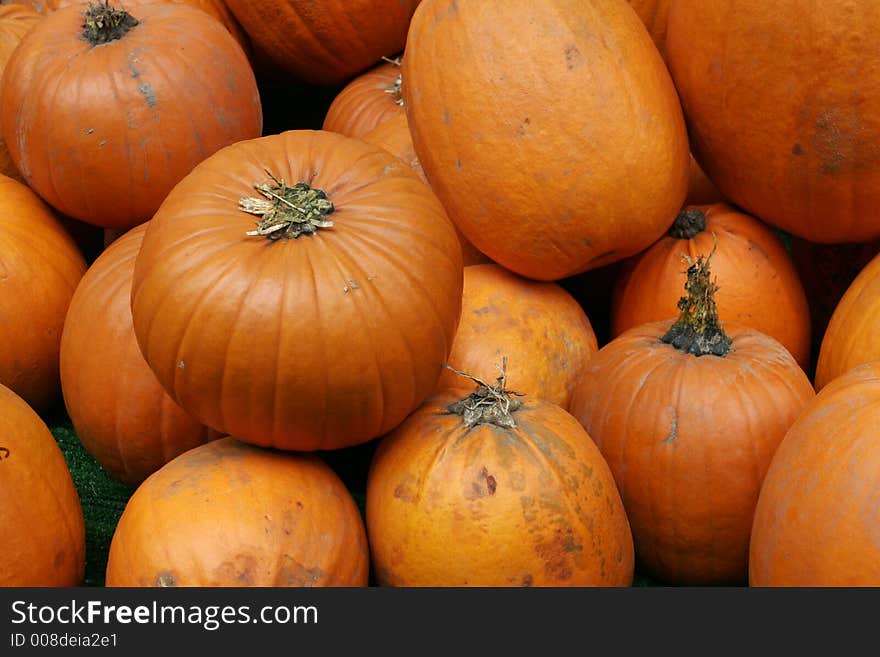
<point x="688" y="223"/>
<point x="396" y="88"/>
<point x="287" y="211"/>
<point x="488" y="404"/>
<point x="102" y="23"/>
<point x="697" y="330"/>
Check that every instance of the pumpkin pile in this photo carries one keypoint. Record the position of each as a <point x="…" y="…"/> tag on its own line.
<point x="440" y="293"/>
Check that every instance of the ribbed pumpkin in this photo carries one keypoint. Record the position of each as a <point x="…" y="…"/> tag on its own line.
<point x="15" y="22"/>
<point x="492" y="489"/>
<point x="42" y="532"/>
<point x="593" y="166"/>
<point x="688" y="416"/>
<point x="758" y="285"/>
<point x="817" y="521"/>
<point x="102" y="132"/>
<point x="853" y="333"/>
<point x="796" y="150"/>
<point x="319" y="341"/>
<point x="230" y="514"/>
<point x="323" y="43"/>
<point x="40" y="267"/>
<point x="537" y="325"/>
<point x="121" y="414"/>
<point x="367" y="101"/>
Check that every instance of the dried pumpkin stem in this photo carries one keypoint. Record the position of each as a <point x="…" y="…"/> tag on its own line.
<point x="396" y="88"/>
<point x="697" y="330"/>
<point x="103" y="23"/>
<point x="689" y="223"/>
<point x="287" y="211"/>
<point x="488" y="404"/>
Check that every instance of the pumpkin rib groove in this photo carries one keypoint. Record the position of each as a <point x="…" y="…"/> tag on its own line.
<point x="316" y="293"/>
<point x="280" y="332"/>
<point x="292" y="9"/>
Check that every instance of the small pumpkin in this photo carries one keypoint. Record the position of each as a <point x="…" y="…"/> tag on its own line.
<point x="121" y="414"/>
<point x="231" y="514"/>
<point x="758" y="284"/>
<point x="688" y="414"/>
<point x="367" y="101"/>
<point x="816" y="521"/>
<point x="310" y="307"/>
<point x="42" y="530"/>
<point x="494" y="489"/>
<point x="537" y="325"/>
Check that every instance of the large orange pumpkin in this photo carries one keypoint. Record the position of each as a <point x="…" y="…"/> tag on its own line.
<point x="329" y="335"/>
<point x="758" y="285"/>
<point x="796" y="149"/>
<point x="491" y="489"/>
<point x="40" y="267"/>
<point x="42" y="531"/>
<point x="15" y="22"/>
<point x="231" y="514"/>
<point x="537" y="325"/>
<point x="688" y="415"/>
<point x="817" y="521"/>
<point x="121" y="414"/>
<point x="367" y="101"/>
<point x="550" y="130"/>
<point x="102" y="132"/>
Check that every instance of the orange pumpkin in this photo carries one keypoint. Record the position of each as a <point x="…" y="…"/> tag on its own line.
<point x="798" y="151"/>
<point x="42" y="531"/>
<point x="367" y="101"/>
<point x="537" y="325"/>
<point x="509" y="493"/>
<point x="758" y="285"/>
<point x="230" y="514"/>
<point x="593" y="166"/>
<point x="329" y="335"/>
<point x="654" y="14"/>
<point x="15" y="22"/>
<point x="121" y="414"/>
<point x="40" y="267"/>
<point x="816" y="520"/>
<point x="103" y="133"/>
<point x="688" y="415"/>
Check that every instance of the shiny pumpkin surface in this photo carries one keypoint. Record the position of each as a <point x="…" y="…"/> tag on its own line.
<point x="365" y="103"/>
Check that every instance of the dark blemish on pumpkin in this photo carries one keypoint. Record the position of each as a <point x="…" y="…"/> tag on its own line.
<point x="484" y="485"/>
<point x="4" y="453"/>
<point x="165" y="579"/>
<point x="573" y="57"/>
<point x="446" y="117"/>
<point x="60" y="558"/>
<point x="556" y="553"/>
<point x="797" y="149"/>
<point x="102" y="142"/>
<point x="241" y="569"/>
<point x="299" y="504"/>
<point x="405" y="491"/>
<point x="293" y="573"/>
<point x="482" y="310"/>
<point x="754" y="246"/>
<point x="148" y="93"/>
<point x="673" y="430"/>
<point x="90" y="131"/>
<point x="527" y="580"/>
<point x="523" y="128"/>
<point x="458" y="164"/>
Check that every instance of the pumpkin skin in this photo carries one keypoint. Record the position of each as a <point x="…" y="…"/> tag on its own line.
<point x="852" y="333"/>
<point x="320" y="342"/>
<point x="798" y="151"/>
<point x="294" y="523"/>
<point x="15" y="22"/>
<point x="480" y="73"/>
<point x="42" y="531"/>
<point x="689" y="440"/>
<point x="326" y="43"/>
<point x="365" y="102"/>
<point x="118" y="132"/>
<point x="121" y="414"/>
<point x="40" y="267"/>
<point x="542" y="330"/>
<point x="758" y="284"/>
<point x="533" y="505"/>
<point x="654" y="14"/>
<point x="816" y="520"/>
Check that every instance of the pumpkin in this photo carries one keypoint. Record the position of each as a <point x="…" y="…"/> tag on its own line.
<point x="121" y="414"/>
<point x="367" y="101"/>
<point x="542" y="330"/>
<point x="321" y="329"/>
<point x="40" y="267"/>
<point x="851" y="337"/>
<point x="797" y="150"/>
<point x="326" y="43"/>
<point x="688" y="414"/>
<point x="758" y="285"/>
<point x="42" y="531"/>
<point x="231" y="514"/>
<point x="816" y="521"/>
<point x="103" y="133"/>
<point x="15" y="21"/>
<point x="393" y="135"/>
<point x="494" y="489"/>
<point x="654" y="14"/>
<point x="595" y="156"/>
